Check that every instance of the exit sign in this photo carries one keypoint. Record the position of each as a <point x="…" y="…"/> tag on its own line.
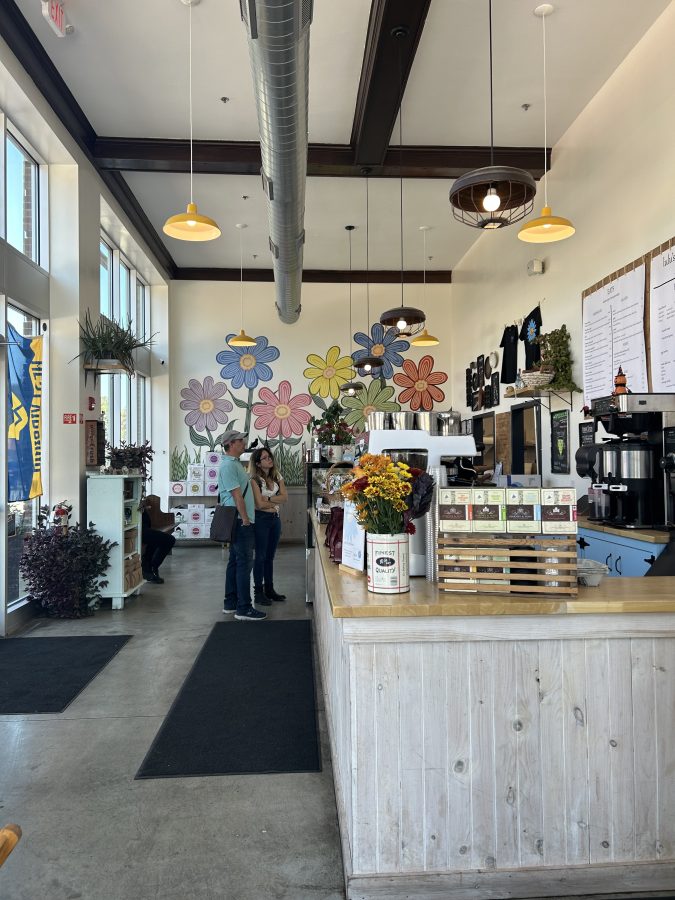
<point x="53" y="12"/>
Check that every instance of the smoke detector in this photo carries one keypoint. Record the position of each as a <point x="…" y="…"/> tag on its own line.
<point x="535" y="267"/>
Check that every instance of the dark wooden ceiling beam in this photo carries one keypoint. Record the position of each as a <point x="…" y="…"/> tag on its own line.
<point x="382" y="80"/>
<point x="330" y="160"/>
<point x="319" y="276"/>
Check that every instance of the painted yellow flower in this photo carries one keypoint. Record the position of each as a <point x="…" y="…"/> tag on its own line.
<point x="328" y="374"/>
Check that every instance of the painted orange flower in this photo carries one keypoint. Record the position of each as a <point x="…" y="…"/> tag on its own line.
<point x="419" y="384"/>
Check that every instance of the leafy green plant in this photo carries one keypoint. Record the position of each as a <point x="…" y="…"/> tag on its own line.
<point x="331" y="428"/>
<point x="63" y="566"/>
<point x="556" y="356"/>
<point x="132" y="456"/>
<point x="105" y="338"/>
<point x="178" y="464"/>
<point x="292" y="468"/>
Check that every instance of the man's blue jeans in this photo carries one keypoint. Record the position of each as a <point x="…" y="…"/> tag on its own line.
<point x="267" y="532"/>
<point x="239" y="565"/>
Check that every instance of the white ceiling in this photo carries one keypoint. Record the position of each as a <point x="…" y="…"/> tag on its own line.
<point x="126" y="64"/>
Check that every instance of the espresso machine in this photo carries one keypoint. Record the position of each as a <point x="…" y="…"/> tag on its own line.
<point x="627" y="487"/>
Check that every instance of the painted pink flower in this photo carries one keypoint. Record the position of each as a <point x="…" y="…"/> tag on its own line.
<point x="420" y="384"/>
<point x="207" y="409"/>
<point x="280" y="412"/>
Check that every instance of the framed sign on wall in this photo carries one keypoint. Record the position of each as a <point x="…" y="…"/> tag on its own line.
<point x="560" y="441"/>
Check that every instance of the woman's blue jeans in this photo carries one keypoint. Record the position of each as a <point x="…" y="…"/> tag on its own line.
<point x="267" y="532"/>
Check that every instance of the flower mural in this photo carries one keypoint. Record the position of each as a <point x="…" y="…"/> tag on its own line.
<point x="207" y="408"/>
<point x="246" y="366"/>
<point x="375" y="398"/>
<point x="328" y="374"/>
<point x="280" y="413"/>
<point x="385" y="344"/>
<point x="419" y="384"/>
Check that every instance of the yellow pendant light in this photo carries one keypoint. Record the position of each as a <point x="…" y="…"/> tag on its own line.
<point x="242" y="339"/>
<point x="547" y="228"/>
<point x="424" y="339"/>
<point x="191" y="225"/>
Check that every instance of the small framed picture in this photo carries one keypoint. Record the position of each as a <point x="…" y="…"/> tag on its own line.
<point x="467" y="426"/>
<point x="487" y="397"/>
<point x="494" y="384"/>
<point x="477" y="400"/>
<point x="480" y="366"/>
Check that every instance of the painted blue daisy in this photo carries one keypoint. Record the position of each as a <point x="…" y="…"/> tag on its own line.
<point x="531" y="331"/>
<point x="385" y="344"/>
<point x="247" y="365"/>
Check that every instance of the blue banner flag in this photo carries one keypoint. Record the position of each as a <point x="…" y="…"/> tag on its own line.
<point x="24" y="416"/>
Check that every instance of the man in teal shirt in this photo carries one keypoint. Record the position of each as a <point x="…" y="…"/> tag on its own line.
<point x="234" y="490"/>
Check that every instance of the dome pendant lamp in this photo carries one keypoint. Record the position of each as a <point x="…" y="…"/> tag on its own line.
<point x="242" y="339"/>
<point x="494" y="196"/>
<point x="191" y="225"/>
<point x="547" y="228"/>
<point x="366" y="364"/>
<point x="424" y="339"/>
<point x="406" y="319"/>
<point x="350" y="387"/>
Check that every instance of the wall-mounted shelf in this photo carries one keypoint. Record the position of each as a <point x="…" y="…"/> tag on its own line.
<point x="540" y="393"/>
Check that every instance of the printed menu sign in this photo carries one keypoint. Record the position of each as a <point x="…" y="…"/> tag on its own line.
<point x="662" y="322"/>
<point x="613" y="335"/>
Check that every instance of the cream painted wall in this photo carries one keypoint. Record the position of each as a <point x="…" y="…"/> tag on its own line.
<point x="201" y="314"/>
<point x="612" y="175"/>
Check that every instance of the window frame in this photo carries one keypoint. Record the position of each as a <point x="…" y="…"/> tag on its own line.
<point x="39" y="210"/>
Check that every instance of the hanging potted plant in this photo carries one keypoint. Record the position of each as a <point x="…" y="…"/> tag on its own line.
<point x="109" y="346"/>
<point x="63" y="565"/>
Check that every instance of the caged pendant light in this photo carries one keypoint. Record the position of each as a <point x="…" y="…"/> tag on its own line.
<point x="350" y="387"/>
<point x="494" y="196"/>
<point x="242" y="339"/>
<point x="547" y="228"/>
<point x="424" y="339"/>
<point x="191" y="225"/>
<point x="366" y="364"/>
<point x="407" y="320"/>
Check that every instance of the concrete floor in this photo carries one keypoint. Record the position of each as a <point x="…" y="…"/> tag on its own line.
<point x="90" y="832"/>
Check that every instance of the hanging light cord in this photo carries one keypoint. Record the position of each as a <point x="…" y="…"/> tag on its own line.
<point x="400" y="144"/>
<point x="190" y="91"/>
<point x="492" y="114"/>
<point x="424" y="268"/>
<point x="349" y="344"/>
<point x="367" y="263"/>
<point x="543" y="30"/>
<point x="241" y="276"/>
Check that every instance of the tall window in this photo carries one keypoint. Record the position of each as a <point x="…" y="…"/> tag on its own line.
<point x="124" y="405"/>
<point x="106" y="278"/>
<point x="22" y="192"/>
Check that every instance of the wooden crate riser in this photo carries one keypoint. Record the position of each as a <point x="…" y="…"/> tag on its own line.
<point x="514" y="558"/>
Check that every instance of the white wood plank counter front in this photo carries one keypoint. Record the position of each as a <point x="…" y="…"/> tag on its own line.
<point x="480" y="752"/>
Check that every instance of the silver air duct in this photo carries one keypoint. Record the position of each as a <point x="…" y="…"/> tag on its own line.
<point x="278" y="42"/>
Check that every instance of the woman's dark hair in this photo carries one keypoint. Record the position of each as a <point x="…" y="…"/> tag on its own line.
<point x="255" y="470"/>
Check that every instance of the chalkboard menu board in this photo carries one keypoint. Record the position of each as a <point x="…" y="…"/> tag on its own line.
<point x="560" y="441"/>
<point x="586" y="433"/>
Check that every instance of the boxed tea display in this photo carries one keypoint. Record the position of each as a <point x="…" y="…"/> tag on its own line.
<point x="559" y="510"/>
<point x="523" y="510"/>
<point x="488" y="510"/>
<point x="454" y="508"/>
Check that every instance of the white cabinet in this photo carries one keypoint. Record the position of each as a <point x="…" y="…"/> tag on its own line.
<point x="112" y="505"/>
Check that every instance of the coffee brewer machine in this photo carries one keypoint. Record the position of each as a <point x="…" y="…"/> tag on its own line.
<point x="667" y="463"/>
<point x="628" y="489"/>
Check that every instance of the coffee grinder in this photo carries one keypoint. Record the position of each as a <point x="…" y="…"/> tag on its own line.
<point x="624" y="469"/>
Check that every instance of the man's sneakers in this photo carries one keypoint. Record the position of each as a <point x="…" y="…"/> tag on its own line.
<point x="228" y="610"/>
<point x="250" y="615"/>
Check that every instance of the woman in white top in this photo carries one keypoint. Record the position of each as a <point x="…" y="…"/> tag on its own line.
<point x="269" y="492"/>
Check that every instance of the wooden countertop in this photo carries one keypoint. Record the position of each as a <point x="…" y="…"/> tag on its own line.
<point x="650" y="537"/>
<point x="349" y="596"/>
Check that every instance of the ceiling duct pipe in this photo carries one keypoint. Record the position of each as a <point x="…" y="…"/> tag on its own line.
<point x="278" y="42"/>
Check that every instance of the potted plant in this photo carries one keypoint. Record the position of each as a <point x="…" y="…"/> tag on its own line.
<point x="332" y="432"/>
<point x="556" y="358"/>
<point x="131" y="457"/>
<point x="387" y="497"/>
<point x="109" y="345"/>
<point x="63" y="565"/>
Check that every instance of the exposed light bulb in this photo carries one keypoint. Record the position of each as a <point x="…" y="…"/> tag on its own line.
<point x="191" y="223"/>
<point x="351" y="391"/>
<point x="491" y="201"/>
<point x="367" y="367"/>
<point x="401" y="324"/>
